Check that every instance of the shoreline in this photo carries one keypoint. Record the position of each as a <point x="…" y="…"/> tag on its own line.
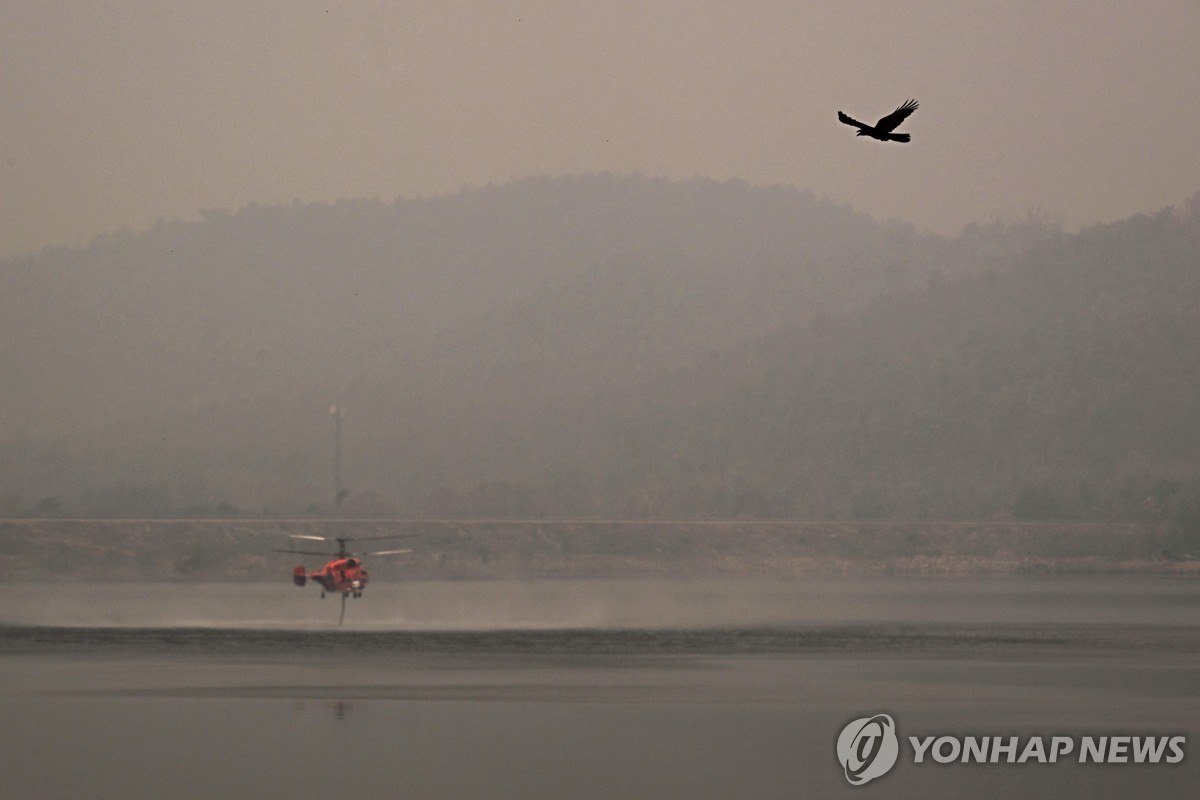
<point x="191" y="550"/>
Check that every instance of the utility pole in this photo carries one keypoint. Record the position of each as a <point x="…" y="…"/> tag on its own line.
<point x="337" y="412"/>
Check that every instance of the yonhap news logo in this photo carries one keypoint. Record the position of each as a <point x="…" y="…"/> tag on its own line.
<point x="868" y="748"/>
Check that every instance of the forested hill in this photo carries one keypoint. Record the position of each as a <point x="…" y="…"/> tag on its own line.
<point x="604" y="346"/>
<point x="1064" y="384"/>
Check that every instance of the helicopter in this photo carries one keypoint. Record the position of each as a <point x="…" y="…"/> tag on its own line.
<point x="345" y="573"/>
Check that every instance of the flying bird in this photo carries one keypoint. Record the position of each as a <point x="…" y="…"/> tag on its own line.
<point x="882" y="130"/>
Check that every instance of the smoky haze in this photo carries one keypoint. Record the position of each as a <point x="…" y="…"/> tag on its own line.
<point x="119" y="115"/>
<point x="606" y="346"/>
<point x="617" y="338"/>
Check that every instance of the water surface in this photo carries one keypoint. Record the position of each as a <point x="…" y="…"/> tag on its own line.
<point x="558" y="689"/>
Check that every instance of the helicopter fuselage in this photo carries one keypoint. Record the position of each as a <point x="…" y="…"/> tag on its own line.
<point x="345" y="575"/>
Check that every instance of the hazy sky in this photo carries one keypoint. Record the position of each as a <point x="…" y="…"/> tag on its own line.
<point x="113" y="114"/>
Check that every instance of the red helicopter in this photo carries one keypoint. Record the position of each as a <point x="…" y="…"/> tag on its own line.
<point x="345" y="573"/>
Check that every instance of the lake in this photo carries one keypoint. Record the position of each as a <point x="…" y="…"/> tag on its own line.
<point x="587" y="689"/>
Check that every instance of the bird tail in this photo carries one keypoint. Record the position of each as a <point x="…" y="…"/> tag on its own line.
<point x="897" y="137"/>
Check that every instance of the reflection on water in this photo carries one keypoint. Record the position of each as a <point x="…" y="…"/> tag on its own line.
<point x="698" y="690"/>
<point x="318" y="711"/>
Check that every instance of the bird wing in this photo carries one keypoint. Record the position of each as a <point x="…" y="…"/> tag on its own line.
<point x="893" y="120"/>
<point x="851" y="121"/>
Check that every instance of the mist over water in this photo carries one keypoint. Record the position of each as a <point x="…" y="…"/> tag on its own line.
<point x="515" y="604"/>
<point x="711" y="317"/>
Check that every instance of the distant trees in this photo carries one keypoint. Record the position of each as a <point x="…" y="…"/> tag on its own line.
<point x="608" y="346"/>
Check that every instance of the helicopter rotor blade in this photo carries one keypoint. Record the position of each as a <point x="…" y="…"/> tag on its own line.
<point x="377" y="538"/>
<point x="385" y="552"/>
<point x="304" y="552"/>
<point x="316" y="538"/>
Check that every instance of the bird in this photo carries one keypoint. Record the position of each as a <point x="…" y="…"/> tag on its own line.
<point x="882" y="130"/>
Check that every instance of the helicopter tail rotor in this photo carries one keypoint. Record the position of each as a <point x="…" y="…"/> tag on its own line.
<point x="299" y="576"/>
